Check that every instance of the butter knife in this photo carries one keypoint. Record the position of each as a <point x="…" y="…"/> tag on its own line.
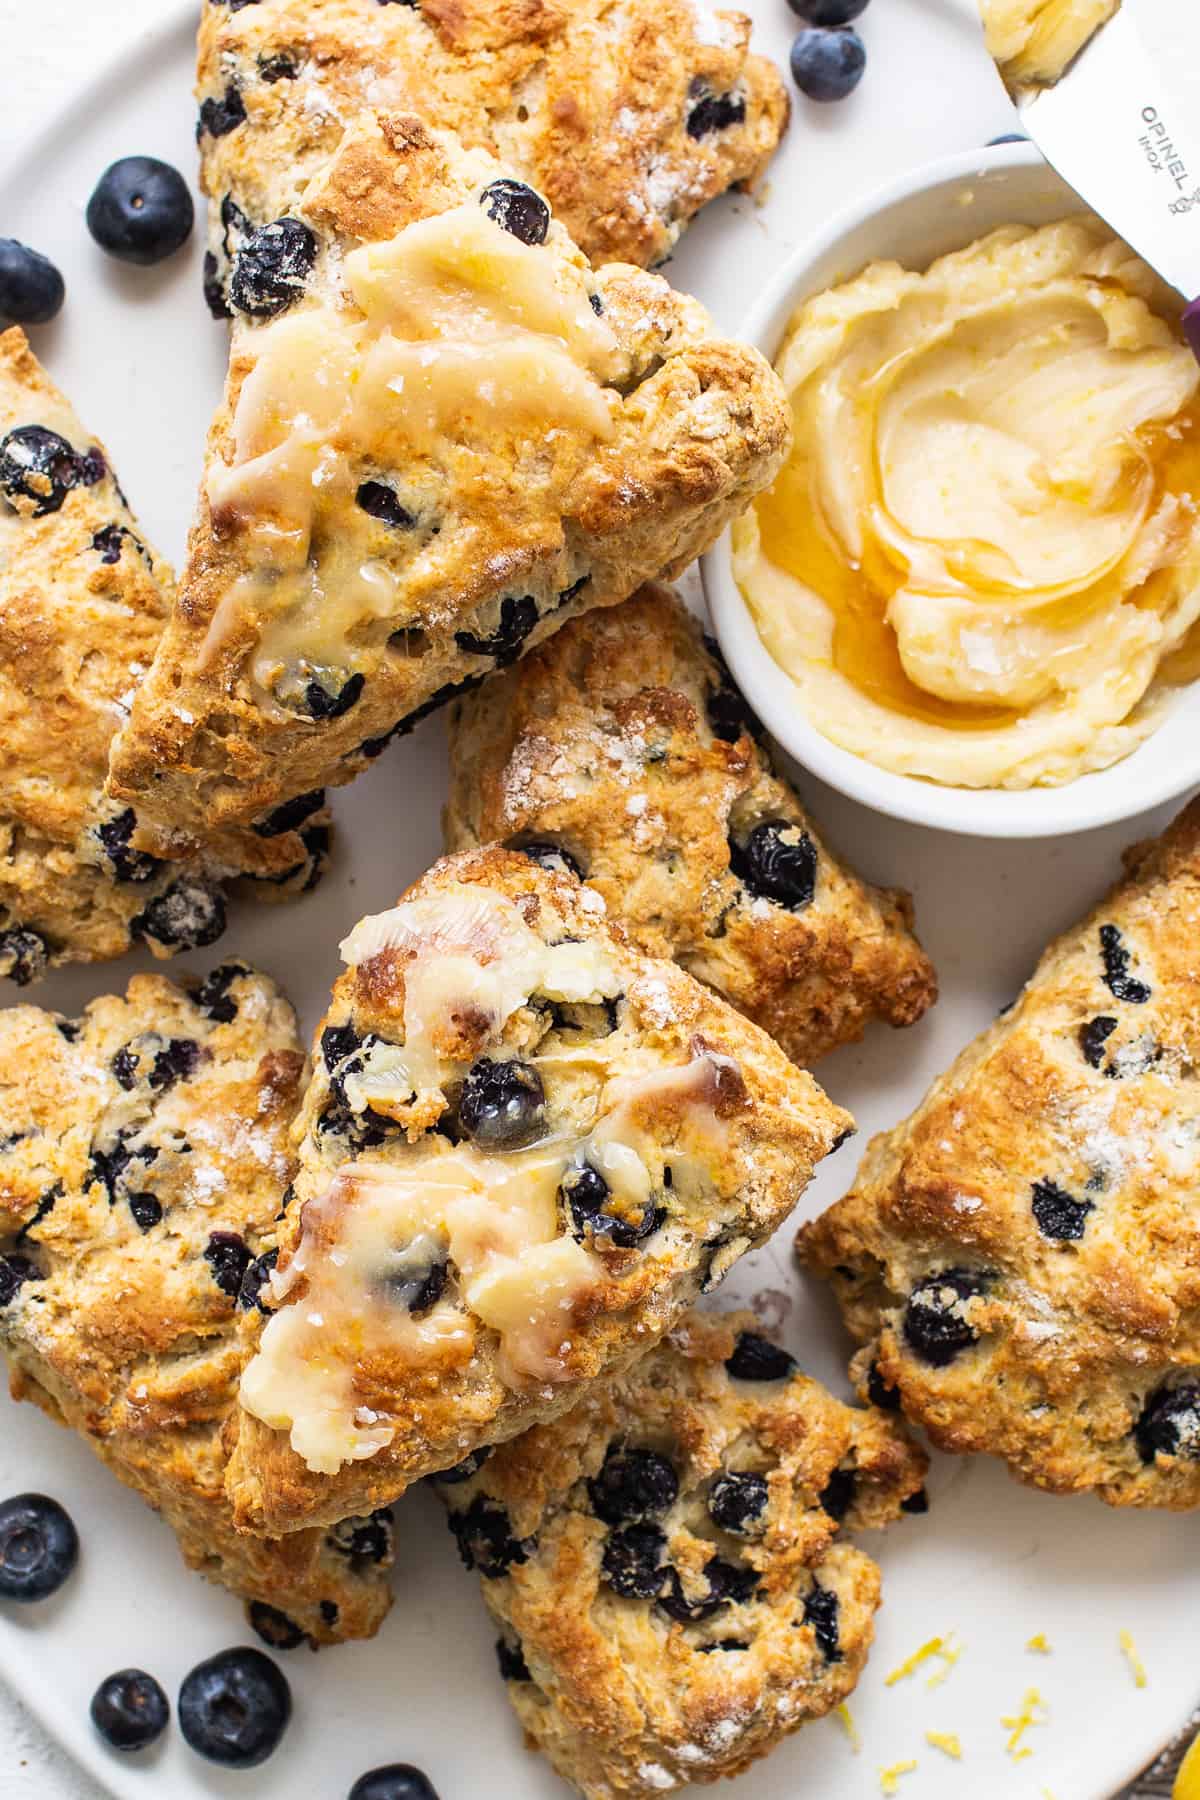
<point x="1112" y="129"/>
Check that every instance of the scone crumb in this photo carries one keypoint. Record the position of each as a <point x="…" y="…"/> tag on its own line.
<point x="945" y="1649"/>
<point x="1039" y="1644"/>
<point x="889" y="1778"/>
<point x="1129" y="1651"/>
<point x="1034" y="1711"/>
<point x="845" y="1719"/>
<point x="948" y="1742"/>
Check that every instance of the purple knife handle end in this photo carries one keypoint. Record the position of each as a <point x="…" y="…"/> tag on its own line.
<point x="1191" y="327"/>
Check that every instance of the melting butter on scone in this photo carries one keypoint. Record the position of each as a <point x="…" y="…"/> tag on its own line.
<point x="443" y="436"/>
<point x="622" y="747"/>
<point x="628" y="120"/>
<point x="526" y="1149"/>
<point x="1018" y="1259"/>
<point x="666" y="1561"/>
<point x="144" y="1154"/>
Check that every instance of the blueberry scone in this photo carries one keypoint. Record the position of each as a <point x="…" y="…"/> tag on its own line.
<point x="1018" y="1259"/>
<point x="627" y="120"/>
<point x="623" y="748"/>
<point x="83" y="603"/>
<point x="443" y="436"/>
<point x="526" y="1148"/>
<point x="665" y="1562"/>
<point x="144" y="1153"/>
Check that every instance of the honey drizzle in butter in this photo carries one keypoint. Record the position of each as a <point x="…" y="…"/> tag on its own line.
<point x="796" y="538"/>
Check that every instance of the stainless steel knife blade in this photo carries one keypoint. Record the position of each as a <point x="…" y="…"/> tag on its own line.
<point x="1114" y="131"/>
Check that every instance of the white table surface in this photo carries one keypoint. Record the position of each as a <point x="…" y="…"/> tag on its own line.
<point x="46" y="48"/>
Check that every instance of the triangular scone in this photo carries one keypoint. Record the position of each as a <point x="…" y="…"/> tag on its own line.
<point x="664" y="1562"/>
<point x="144" y="1154"/>
<point x="623" y="745"/>
<point x="628" y="120"/>
<point x="443" y="443"/>
<point x="1019" y="1257"/>
<point x="83" y="602"/>
<point x="525" y="1150"/>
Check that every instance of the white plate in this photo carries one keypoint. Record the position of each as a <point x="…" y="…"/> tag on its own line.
<point x="992" y="1562"/>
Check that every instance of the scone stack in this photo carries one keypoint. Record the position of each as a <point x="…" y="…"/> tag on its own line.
<point x="560" y="1088"/>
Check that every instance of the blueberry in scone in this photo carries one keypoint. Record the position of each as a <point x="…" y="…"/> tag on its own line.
<point x="684" y="1596"/>
<point x="494" y="1051"/>
<point x="1014" y="1259"/>
<point x="83" y="602"/>
<point x="622" y="748"/>
<point x="433" y="452"/>
<point x="622" y="122"/>
<point x="144" y="1155"/>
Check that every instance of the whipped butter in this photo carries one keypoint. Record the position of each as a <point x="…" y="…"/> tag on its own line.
<point x="1035" y="41"/>
<point x="981" y="562"/>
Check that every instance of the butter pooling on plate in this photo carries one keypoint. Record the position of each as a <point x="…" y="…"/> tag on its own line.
<point x="981" y="561"/>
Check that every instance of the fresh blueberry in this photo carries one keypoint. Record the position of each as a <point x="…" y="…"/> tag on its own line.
<point x="828" y="12"/>
<point x="37" y="464"/>
<point x="1008" y="137"/>
<point x="367" y="1540"/>
<point x="936" y="1327"/>
<point x="234" y="1708"/>
<point x="821" y="1612"/>
<point x="633" y="1561"/>
<point x="213" y="996"/>
<point x="1169" y="1424"/>
<point x="222" y="113"/>
<point x="463" y="1471"/>
<point x="485" y="1538"/>
<point x="518" y="616"/>
<point x="228" y="1259"/>
<point x="736" y="1502"/>
<point x="190" y="915"/>
<point x="727" y="1584"/>
<point x="587" y="1196"/>
<point x="31" y="288"/>
<point x="1060" y="1217"/>
<point x="502" y="1104"/>
<point x="709" y="112"/>
<point x="381" y="502"/>
<point x="549" y="855"/>
<point x="39" y="1547"/>
<point x="291" y="814"/>
<point x="511" y="1659"/>
<point x="518" y="209"/>
<point x="141" y="211"/>
<point x="1093" y="1036"/>
<point x="24" y="955"/>
<point x="397" y="1781"/>
<point x="758" y="1359"/>
<point x="274" y="1627"/>
<point x="729" y="715"/>
<point x="837" y="1496"/>
<point x="778" y="861"/>
<point x="1116" y="958"/>
<point x="130" y="1709"/>
<point x="272" y="267"/>
<point x="258" y="1273"/>
<point x="827" y="65"/>
<point x="632" y="1484"/>
<point x="127" y="864"/>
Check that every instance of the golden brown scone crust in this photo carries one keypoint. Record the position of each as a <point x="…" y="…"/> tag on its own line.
<point x="1052" y="1172"/>
<point x="503" y="517"/>
<point x="590" y="105"/>
<point x="83" y="602"/>
<point x="144" y="1152"/>
<point x="624" y="740"/>
<point x="629" y="1696"/>
<point x="724" y="1129"/>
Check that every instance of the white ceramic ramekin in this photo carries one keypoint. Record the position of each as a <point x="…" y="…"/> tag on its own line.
<point x="940" y="207"/>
